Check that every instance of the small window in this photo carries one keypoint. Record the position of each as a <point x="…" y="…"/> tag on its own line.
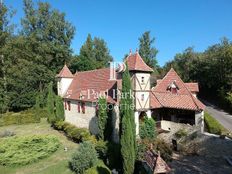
<point x="65" y="105"/>
<point x="78" y="107"/>
<point x="142" y="97"/>
<point x="142" y="79"/>
<point x="69" y="105"/>
<point x="83" y="107"/>
<point x="174" y="90"/>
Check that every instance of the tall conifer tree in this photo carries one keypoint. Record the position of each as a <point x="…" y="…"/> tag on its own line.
<point x="102" y="117"/>
<point x="128" y="139"/>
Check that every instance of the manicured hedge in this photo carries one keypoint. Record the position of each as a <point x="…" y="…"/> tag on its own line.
<point x="15" y="151"/>
<point x="73" y="132"/>
<point x="19" y="118"/>
<point x="213" y="125"/>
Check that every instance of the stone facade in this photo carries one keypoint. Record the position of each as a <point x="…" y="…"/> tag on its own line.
<point x="82" y="120"/>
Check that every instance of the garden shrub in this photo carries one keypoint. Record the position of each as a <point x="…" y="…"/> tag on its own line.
<point x="23" y="117"/>
<point x="102" y="149"/>
<point x="100" y="168"/>
<point x="73" y="132"/>
<point x="84" y="158"/>
<point x="181" y="133"/>
<point x="164" y="148"/>
<point x="147" y="129"/>
<point x="213" y="125"/>
<point x="158" y="145"/>
<point x="58" y="125"/>
<point x="141" y="149"/>
<point x="15" y="151"/>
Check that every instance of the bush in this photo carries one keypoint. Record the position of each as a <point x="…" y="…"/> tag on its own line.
<point x="19" y="118"/>
<point x="181" y="133"/>
<point x="102" y="149"/>
<point x="73" y="132"/>
<point x="164" y="148"/>
<point x="158" y="145"/>
<point x="100" y="168"/>
<point x="16" y="151"/>
<point x="147" y="129"/>
<point x="213" y="125"/>
<point x="84" y="158"/>
<point x="59" y="125"/>
<point x="43" y="113"/>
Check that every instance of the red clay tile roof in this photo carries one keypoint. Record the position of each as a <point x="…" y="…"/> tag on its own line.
<point x="155" y="162"/>
<point x="169" y="100"/>
<point x="193" y="87"/>
<point x="154" y="102"/>
<point x="87" y="82"/>
<point x="136" y="63"/>
<point x="182" y="100"/>
<point x="65" y="73"/>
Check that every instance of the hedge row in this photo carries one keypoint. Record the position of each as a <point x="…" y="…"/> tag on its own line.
<point x="213" y="125"/>
<point x="76" y="134"/>
<point x="19" y="118"/>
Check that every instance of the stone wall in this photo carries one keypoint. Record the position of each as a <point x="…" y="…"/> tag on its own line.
<point x="83" y="120"/>
<point x="89" y="119"/>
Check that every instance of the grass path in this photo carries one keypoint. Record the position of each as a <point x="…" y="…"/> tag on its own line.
<point x="57" y="163"/>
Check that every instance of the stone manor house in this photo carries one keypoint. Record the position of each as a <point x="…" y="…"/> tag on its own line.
<point x="170" y="99"/>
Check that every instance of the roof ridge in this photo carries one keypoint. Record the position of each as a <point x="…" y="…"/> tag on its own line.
<point x="91" y="70"/>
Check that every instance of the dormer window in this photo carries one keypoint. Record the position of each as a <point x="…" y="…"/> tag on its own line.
<point x="173" y="87"/>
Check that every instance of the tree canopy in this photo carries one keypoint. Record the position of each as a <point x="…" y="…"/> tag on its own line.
<point x="146" y="49"/>
<point x="94" y="54"/>
<point x="211" y="68"/>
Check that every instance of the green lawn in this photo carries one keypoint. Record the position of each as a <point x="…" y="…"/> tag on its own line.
<point x="57" y="163"/>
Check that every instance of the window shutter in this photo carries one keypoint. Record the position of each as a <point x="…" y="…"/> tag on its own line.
<point x="78" y="107"/>
<point x="69" y="106"/>
<point x="83" y="107"/>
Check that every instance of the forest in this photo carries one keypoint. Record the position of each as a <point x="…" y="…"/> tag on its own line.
<point x="33" y="53"/>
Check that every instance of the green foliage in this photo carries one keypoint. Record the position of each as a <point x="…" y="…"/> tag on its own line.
<point x="181" y="133"/>
<point x="128" y="143"/>
<point x="50" y="104"/>
<point x="94" y="54"/>
<point x="213" y="125"/>
<point x="31" y="57"/>
<point x="59" y="108"/>
<point x="29" y="149"/>
<point x="158" y="145"/>
<point x="23" y="117"/>
<point x="76" y="134"/>
<point x="147" y="129"/>
<point x="147" y="51"/>
<point x="100" y="168"/>
<point x="164" y="149"/>
<point x="102" y="149"/>
<point x="211" y="68"/>
<point x="102" y="117"/>
<point x="84" y="158"/>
